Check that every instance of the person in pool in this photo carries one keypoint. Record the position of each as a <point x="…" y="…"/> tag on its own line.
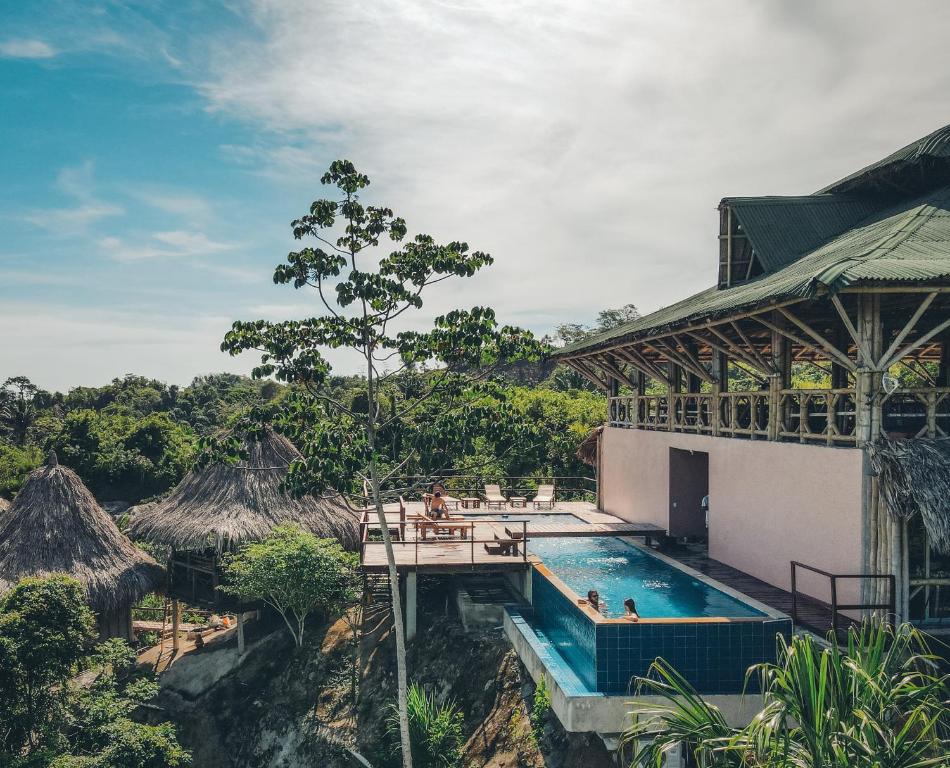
<point x="630" y="609"/>
<point x="593" y="597"/>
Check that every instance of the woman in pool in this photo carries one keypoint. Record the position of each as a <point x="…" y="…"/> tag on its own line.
<point x="630" y="610"/>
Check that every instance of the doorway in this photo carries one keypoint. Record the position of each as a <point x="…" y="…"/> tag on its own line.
<point x="689" y="484"/>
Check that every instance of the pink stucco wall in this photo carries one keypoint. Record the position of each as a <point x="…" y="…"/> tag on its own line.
<point x="770" y="502"/>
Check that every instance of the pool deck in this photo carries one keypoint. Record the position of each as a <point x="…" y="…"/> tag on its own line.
<point x="451" y="554"/>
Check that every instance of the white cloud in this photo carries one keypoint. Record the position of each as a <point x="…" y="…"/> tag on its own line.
<point x="173" y="244"/>
<point x="78" y="184"/>
<point x="26" y="49"/>
<point x="584" y="144"/>
<point x="186" y="205"/>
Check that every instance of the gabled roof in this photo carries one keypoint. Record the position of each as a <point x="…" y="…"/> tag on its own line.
<point x="933" y="148"/>
<point x="906" y="242"/>
<point x="781" y="229"/>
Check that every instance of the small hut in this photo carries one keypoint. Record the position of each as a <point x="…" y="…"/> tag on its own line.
<point x="218" y="508"/>
<point x="54" y="525"/>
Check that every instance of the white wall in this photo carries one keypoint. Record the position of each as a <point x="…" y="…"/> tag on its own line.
<point x="770" y="503"/>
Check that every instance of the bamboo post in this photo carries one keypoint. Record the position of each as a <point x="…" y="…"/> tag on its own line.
<point x="776" y="384"/>
<point x="176" y="620"/>
<point x="240" y="630"/>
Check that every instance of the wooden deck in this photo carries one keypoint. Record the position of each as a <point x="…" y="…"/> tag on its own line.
<point x="813" y="615"/>
<point x="451" y="554"/>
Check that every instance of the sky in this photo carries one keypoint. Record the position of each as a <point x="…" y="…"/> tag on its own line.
<point x="153" y="154"/>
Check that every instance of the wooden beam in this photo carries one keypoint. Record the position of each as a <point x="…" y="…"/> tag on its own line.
<point x="736" y="351"/>
<point x="759" y="374"/>
<point x="896" y="289"/>
<point x="647" y="366"/>
<point x="583" y="371"/>
<point x="826" y="345"/>
<point x="694" y="359"/>
<point x="852" y="331"/>
<point x="908" y="327"/>
<point x="614" y="371"/>
<point x="750" y="345"/>
<point x="913" y="345"/>
<point x="674" y="354"/>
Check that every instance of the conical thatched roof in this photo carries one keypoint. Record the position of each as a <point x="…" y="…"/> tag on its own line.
<point x="587" y="450"/>
<point x="223" y="505"/>
<point x="55" y="526"/>
<point x="914" y="478"/>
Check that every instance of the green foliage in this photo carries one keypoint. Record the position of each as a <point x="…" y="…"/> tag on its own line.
<point x="878" y="702"/>
<point x="296" y="573"/>
<point x="540" y="708"/>
<point x="119" y="455"/>
<point x="15" y="464"/>
<point x="18" y="408"/>
<point x="47" y="718"/>
<point x="435" y="730"/>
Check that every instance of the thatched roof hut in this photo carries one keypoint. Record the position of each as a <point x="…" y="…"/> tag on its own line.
<point x="914" y="478"/>
<point x="587" y="450"/>
<point x="222" y="506"/>
<point x="54" y="525"/>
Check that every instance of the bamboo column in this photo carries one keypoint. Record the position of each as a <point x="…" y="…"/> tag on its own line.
<point x="176" y="620"/>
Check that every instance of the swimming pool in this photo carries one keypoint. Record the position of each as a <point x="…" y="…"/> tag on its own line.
<point x="618" y="570"/>
<point x="709" y="635"/>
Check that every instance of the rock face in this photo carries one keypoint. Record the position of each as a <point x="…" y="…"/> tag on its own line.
<point x="283" y="707"/>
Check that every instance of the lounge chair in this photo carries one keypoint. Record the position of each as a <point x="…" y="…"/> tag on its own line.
<point x="494" y="496"/>
<point x="544" y="497"/>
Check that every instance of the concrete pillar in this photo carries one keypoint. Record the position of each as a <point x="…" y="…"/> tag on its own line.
<point x="410" y="605"/>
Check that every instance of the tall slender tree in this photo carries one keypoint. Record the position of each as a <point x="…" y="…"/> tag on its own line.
<point x="362" y="297"/>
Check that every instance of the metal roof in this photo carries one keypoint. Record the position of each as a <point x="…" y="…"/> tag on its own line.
<point x="909" y="241"/>
<point x="783" y="228"/>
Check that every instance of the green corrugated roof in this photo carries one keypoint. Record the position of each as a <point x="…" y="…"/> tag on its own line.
<point x="783" y="228"/>
<point x="907" y="242"/>
<point x="935" y="145"/>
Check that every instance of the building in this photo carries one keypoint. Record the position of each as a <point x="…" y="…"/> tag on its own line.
<point x="55" y="526"/>
<point x="806" y="393"/>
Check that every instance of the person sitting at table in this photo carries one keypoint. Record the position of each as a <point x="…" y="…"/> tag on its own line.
<point x="437" y="507"/>
<point x="630" y="610"/>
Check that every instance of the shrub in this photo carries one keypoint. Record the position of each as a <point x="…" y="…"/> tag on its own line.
<point x="435" y="730"/>
<point x="540" y="708"/>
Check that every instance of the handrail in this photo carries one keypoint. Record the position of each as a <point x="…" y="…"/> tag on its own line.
<point x="890" y="605"/>
<point x="473" y="485"/>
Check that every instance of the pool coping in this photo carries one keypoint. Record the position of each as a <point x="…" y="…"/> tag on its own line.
<point x="770" y="613"/>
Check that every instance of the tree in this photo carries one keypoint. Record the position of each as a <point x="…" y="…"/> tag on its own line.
<point x="46" y="629"/>
<point x="295" y="573"/>
<point x="361" y="316"/>
<point x="17" y="407"/>
<point x="878" y="702"/>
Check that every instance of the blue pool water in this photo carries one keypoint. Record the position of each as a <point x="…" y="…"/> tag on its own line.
<point x="618" y="570"/>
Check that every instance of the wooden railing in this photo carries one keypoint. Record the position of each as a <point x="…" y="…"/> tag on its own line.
<point x="917" y="412"/>
<point x="817" y="415"/>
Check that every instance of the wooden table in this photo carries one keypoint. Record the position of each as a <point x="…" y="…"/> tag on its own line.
<point x="471" y="502"/>
<point x="518" y="501"/>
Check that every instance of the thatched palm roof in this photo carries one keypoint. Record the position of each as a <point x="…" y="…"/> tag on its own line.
<point x="225" y="505"/>
<point x="914" y="478"/>
<point x="587" y="450"/>
<point x="55" y="526"/>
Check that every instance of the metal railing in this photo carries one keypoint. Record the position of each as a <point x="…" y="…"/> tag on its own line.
<point x="566" y="487"/>
<point x="515" y="540"/>
<point x="837" y="607"/>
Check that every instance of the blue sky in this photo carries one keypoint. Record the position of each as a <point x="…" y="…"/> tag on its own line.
<point x="152" y="154"/>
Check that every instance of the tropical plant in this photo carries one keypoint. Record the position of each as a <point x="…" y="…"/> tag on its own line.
<point x="371" y="295"/>
<point x="435" y="730"/>
<point x="18" y="411"/>
<point x="295" y="573"/>
<point x="878" y="702"/>
<point x="540" y="708"/>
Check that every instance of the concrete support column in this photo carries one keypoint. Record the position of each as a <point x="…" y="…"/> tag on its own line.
<point x="410" y="605"/>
